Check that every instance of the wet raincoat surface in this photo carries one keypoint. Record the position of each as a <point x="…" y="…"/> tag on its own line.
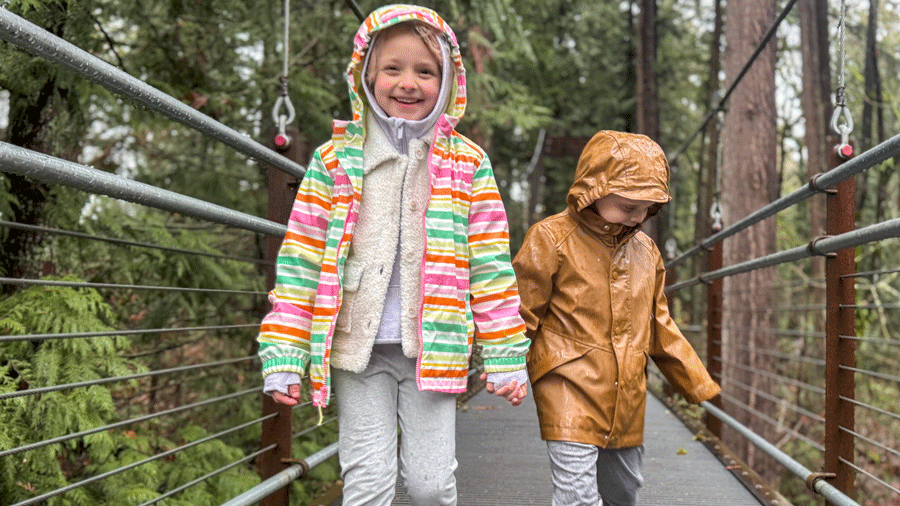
<point x="593" y="303"/>
<point x="468" y="285"/>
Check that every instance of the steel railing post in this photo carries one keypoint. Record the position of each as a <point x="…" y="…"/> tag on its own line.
<point x="840" y="322"/>
<point x="714" y="332"/>
<point x="278" y="430"/>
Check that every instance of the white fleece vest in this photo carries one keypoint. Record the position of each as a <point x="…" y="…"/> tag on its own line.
<point x="390" y="228"/>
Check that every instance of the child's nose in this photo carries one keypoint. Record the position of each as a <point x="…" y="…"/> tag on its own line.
<point x="407" y="80"/>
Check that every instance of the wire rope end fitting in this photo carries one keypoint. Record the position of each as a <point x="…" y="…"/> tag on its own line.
<point x="816" y="187"/>
<point x="282" y="141"/>
<point x="304" y="466"/>
<point x="814" y="250"/>
<point x="814" y="477"/>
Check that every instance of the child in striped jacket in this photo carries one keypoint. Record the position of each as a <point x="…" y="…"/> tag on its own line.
<point x="395" y="261"/>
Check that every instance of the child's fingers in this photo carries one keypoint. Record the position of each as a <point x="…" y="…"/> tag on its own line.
<point x="283" y="398"/>
<point x="508" y="390"/>
<point x="294" y="391"/>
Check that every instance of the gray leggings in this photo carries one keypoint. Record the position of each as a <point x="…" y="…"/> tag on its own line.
<point x="583" y="474"/>
<point x="370" y="407"/>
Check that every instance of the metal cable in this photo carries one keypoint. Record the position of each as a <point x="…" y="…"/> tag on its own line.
<point x="777" y="400"/>
<point x="117" y="333"/>
<point x="28" y="163"/>
<point x="205" y="477"/>
<point x="783" y="356"/>
<point x="874" y="156"/>
<point x="778" y="332"/>
<point x="877" y="232"/>
<point x="887" y="342"/>
<point x="771" y="421"/>
<point x="869" y="306"/>
<point x="92" y="479"/>
<point x="870" y="441"/>
<point x="777" y="377"/>
<point x="759" y="49"/>
<point x="870" y="475"/>
<point x="38" y="41"/>
<point x="67" y="437"/>
<point x="80" y="284"/>
<point x="872" y="374"/>
<point x="870" y="407"/>
<point x="870" y="273"/>
<point x="313" y="428"/>
<point x="123" y="242"/>
<point x="101" y="381"/>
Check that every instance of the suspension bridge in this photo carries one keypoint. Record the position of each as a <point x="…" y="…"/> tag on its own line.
<point x="501" y="457"/>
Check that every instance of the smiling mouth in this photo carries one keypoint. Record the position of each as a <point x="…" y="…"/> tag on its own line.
<point x="407" y="101"/>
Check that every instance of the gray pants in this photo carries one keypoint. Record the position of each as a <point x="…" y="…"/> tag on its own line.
<point x="370" y="407"/>
<point x="582" y="474"/>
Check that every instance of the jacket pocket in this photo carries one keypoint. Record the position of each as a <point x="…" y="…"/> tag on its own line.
<point x="549" y="350"/>
<point x="353" y="274"/>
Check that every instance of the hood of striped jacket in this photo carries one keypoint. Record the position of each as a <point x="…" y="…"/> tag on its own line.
<point x="400" y="13"/>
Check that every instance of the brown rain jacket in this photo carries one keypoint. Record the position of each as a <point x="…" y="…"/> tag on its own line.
<point x="593" y="302"/>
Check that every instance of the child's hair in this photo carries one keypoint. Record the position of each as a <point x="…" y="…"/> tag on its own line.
<point x="428" y="35"/>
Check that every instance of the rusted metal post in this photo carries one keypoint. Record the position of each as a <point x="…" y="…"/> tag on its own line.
<point x="840" y="322"/>
<point x="714" y="332"/>
<point x="282" y="188"/>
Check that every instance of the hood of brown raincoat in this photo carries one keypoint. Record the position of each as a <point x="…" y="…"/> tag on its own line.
<point x="630" y="165"/>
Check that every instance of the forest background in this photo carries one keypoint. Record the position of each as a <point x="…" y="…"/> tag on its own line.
<point x="544" y="74"/>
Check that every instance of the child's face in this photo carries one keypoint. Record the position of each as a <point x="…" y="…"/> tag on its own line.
<point x="407" y="78"/>
<point x="617" y="209"/>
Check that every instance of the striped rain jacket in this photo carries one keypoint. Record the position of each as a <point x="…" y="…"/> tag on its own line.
<point x="468" y="284"/>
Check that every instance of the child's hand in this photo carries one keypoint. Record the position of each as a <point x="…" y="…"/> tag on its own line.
<point x="290" y="398"/>
<point x="512" y="391"/>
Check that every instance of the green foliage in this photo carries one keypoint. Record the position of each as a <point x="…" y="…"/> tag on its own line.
<point x="40" y="363"/>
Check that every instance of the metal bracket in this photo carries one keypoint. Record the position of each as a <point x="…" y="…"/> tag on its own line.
<point x="814" y="249"/>
<point x="814" y="477"/>
<point x="300" y="462"/>
<point x="814" y="185"/>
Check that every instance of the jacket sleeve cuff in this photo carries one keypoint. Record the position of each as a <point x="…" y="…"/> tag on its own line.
<point x="704" y="392"/>
<point x="499" y="379"/>
<point x="279" y="382"/>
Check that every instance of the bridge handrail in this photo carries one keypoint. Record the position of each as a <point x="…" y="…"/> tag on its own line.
<point x="815" y="481"/>
<point x="25" y="162"/>
<point x="283" y="478"/>
<point x="822" y="246"/>
<point x="870" y="158"/>
<point x="38" y="41"/>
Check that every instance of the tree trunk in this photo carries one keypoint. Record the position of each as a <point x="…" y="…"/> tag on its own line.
<point x="706" y="175"/>
<point x="749" y="182"/>
<point x="817" y="109"/>
<point x="29" y="120"/>
<point x="647" y="96"/>
<point x="872" y="130"/>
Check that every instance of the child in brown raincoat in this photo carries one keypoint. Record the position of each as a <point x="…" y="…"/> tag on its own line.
<point x="591" y="285"/>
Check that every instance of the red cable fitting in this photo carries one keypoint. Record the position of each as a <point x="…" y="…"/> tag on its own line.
<point x="845" y="151"/>
<point x="282" y="141"/>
